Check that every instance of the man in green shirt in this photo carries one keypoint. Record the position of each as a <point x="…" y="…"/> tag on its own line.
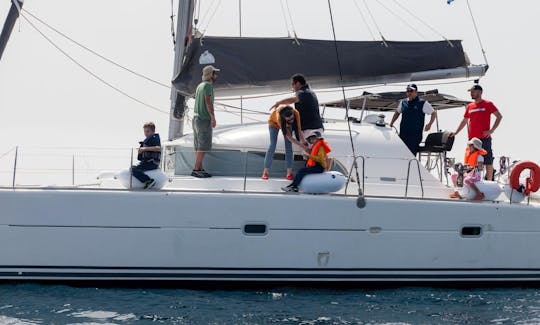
<point x="204" y="119"/>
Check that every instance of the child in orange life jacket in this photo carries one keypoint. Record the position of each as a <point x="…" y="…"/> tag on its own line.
<point x="316" y="163"/>
<point x="474" y="160"/>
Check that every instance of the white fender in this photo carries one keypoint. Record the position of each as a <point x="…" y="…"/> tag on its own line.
<point x="491" y="190"/>
<point x="326" y="182"/>
<point x="158" y="175"/>
<point x="517" y="197"/>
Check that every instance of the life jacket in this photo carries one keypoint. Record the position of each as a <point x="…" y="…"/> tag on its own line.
<point x="412" y="117"/>
<point x="315" y="151"/>
<point x="471" y="158"/>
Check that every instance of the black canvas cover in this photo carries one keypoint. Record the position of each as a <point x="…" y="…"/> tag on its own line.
<point x="268" y="63"/>
<point x="388" y="101"/>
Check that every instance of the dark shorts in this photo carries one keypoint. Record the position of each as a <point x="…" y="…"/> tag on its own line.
<point x="486" y="145"/>
<point x="202" y="134"/>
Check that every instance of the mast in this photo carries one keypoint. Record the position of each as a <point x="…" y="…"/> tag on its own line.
<point x="12" y="16"/>
<point x="183" y="38"/>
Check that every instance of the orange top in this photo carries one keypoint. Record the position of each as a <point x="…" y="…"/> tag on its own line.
<point x="471" y="158"/>
<point x="318" y="154"/>
<point x="275" y="122"/>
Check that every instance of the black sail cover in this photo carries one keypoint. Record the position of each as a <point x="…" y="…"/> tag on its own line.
<point x="265" y="65"/>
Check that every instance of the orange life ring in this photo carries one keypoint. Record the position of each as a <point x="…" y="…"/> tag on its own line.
<point x="532" y="183"/>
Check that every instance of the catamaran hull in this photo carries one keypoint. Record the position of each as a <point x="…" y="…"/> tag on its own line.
<point x="192" y="236"/>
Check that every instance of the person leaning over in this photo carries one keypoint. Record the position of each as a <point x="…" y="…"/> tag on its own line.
<point x="316" y="163"/>
<point x="149" y="155"/>
<point x="478" y="116"/>
<point x="204" y="119"/>
<point x="306" y="103"/>
<point x="413" y="111"/>
<point x="286" y="119"/>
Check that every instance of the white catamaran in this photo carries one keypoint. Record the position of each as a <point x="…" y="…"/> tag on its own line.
<point x="392" y="221"/>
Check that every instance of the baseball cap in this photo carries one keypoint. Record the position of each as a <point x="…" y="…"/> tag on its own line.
<point x="477" y="143"/>
<point x="207" y="71"/>
<point x="313" y="133"/>
<point x="476" y="87"/>
<point x="412" y="86"/>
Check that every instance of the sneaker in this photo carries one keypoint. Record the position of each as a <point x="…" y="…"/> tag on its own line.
<point x="290" y="189"/>
<point x="264" y="176"/>
<point x="205" y="173"/>
<point x="289" y="177"/>
<point x="455" y="195"/>
<point x="149" y="183"/>
<point x="200" y="174"/>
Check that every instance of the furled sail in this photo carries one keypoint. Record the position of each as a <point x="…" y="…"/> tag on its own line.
<point x="264" y="65"/>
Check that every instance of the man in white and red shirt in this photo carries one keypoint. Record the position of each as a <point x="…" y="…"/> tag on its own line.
<point x="478" y="116"/>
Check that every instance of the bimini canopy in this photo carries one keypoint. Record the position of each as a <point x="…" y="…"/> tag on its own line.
<point x="264" y="65"/>
<point x="388" y="101"/>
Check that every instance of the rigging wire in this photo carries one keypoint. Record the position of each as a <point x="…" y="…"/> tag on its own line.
<point x="423" y="22"/>
<point x="87" y="70"/>
<point x="173" y="33"/>
<point x="94" y="52"/>
<point x="364" y="19"/>
<point x="285" y="18"/>
<point x="211" y="17"/>
<point x="292" y="22"/>
<point x="401" y="19"/>
<point x="375" y="23"/>
<point x="477" y="33"/>
<point x="207" y="11"/>
<point x="355" y="164"/>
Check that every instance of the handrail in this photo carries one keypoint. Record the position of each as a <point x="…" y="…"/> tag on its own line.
<point x="419" y="176"/>
<point x="354" y="164"/>
<point x="15" y="166"/>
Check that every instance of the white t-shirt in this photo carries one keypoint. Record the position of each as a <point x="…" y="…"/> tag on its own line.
<point x="427" y="108"/>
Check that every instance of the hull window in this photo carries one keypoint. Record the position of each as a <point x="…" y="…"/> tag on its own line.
<point x="255" y="229"/>
<point x="471" y="231"/>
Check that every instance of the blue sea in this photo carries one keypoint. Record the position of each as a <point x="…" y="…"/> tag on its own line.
<point x="57" y="304"/>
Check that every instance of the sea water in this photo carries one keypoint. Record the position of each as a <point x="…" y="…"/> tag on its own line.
<point x="57" y="304"/>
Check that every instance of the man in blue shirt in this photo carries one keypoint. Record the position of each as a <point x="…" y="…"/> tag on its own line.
<point x="149" y="155"/>
<point x="413" y="111"/>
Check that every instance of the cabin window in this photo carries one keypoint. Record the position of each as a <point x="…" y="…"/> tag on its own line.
<point x="255" y="229"/>
<point x="471" y="231"/>
<point x="235" y="163"/>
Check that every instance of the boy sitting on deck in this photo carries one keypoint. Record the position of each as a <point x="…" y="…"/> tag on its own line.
<point x="149" y="155"/>
<point x="474" y="162"/>
<point x="316" y="163"/>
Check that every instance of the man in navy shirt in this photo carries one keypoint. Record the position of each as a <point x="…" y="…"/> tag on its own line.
<point x="413" y="111"/>
<point x="149" y="155"/>
<point x="306" y="103"/>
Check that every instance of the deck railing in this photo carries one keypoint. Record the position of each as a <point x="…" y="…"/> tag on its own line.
<point x="79" y="168"/>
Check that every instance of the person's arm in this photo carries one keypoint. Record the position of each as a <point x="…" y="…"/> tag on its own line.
<point x="210" y="108"/>
<point x="460" y="127"/>
<point x="394" y="118"/>
<point x="431" y="120"/>
<point x="428" y="109"/>
<point x="286" y="101"/>
<point x="498" y="118"/>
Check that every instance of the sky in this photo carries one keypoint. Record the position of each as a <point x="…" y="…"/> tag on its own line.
<point x="48" y="101"/>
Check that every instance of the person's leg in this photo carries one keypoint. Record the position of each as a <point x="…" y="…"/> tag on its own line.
<point x="478" y="195"/>
<point x="305" y="171"/>
<point x="269" y="157"/>
<point x="199" y="157"/>
<point x="455" y="195"/>
<point x="203" y="140"/>
<point x="488" y="159"/>
<point x="138" y="173"/>
<point x="288" y="157"/>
